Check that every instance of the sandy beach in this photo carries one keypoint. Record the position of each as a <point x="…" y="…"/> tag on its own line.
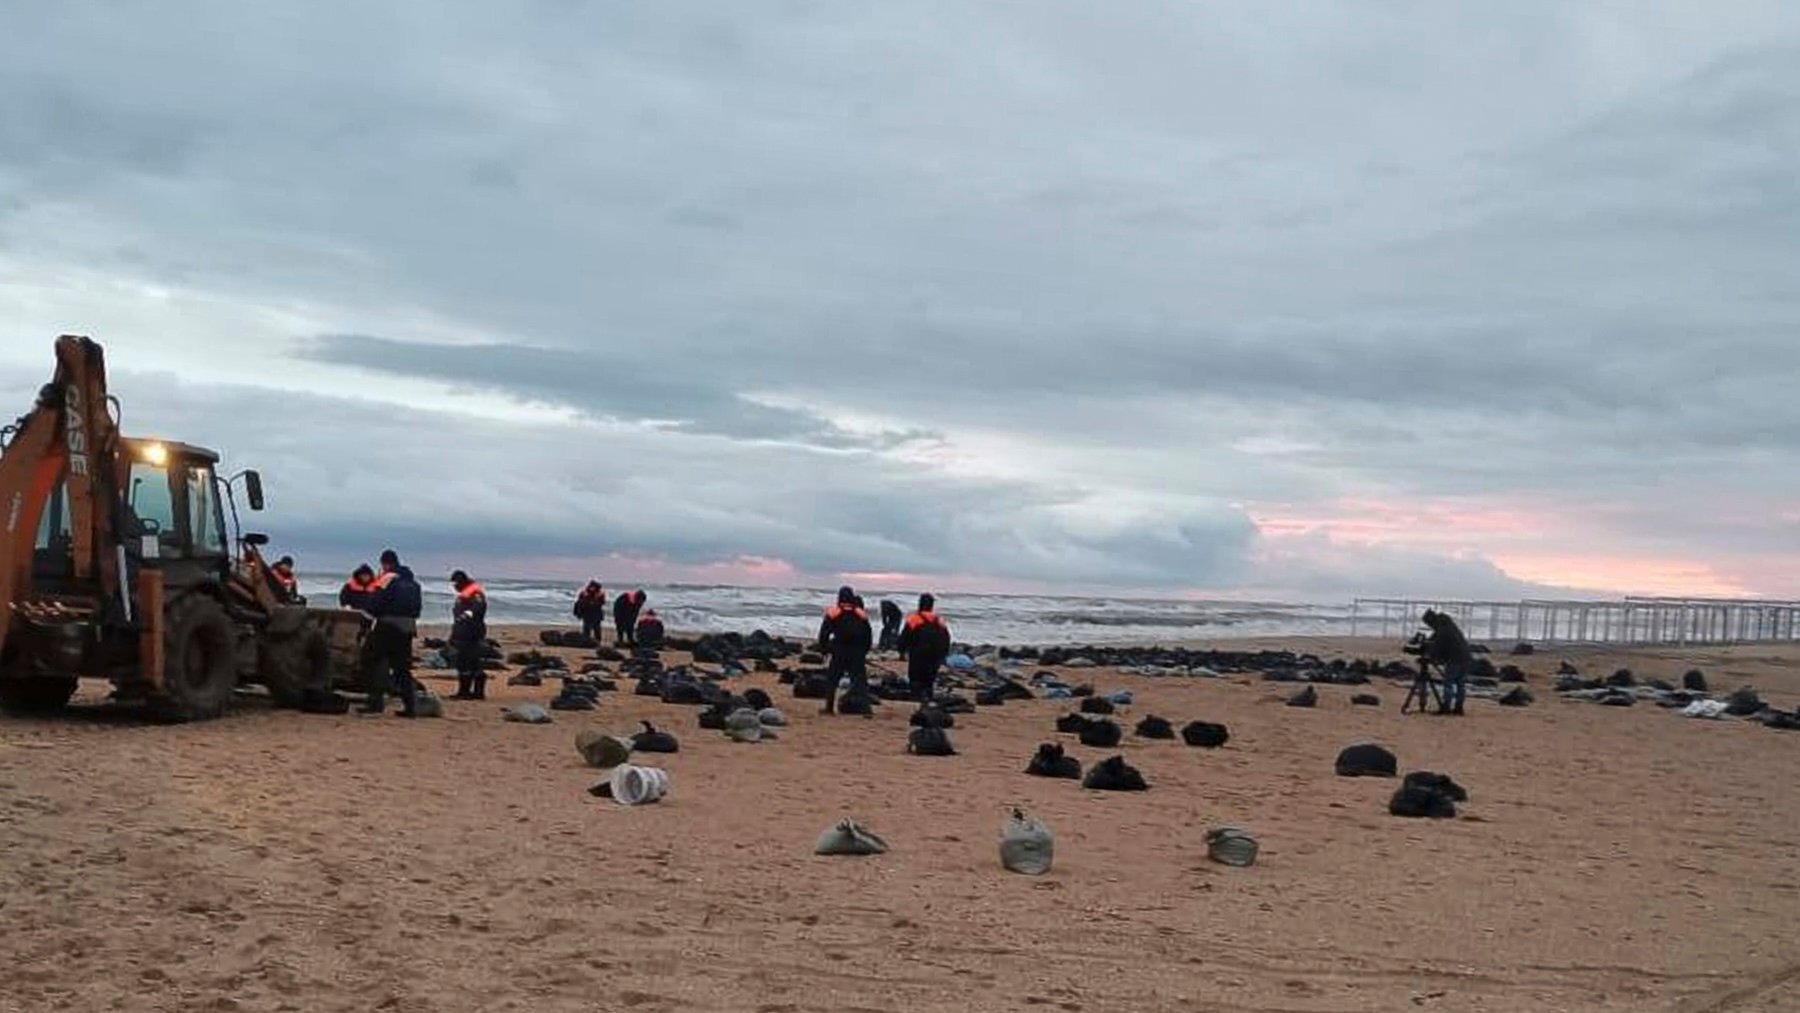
<point x="1609" y="859"/>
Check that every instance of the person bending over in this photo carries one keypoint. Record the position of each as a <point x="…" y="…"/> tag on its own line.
<point x="625" y="616"/>
<point x="1449" y="649"/>
<point x="890" y="625"/>
<point x="649" y="631"/>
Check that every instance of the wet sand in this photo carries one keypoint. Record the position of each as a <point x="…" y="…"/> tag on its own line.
<point x="1610" y="859"/>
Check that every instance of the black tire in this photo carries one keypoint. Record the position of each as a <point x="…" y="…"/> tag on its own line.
<point x="293" y="664"/>
<point x="37" y="694"/>
<point x="200" y="668"/>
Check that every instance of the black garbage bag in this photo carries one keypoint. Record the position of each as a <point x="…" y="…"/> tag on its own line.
<point x="1153" y="727"/>
<point x="929" y="742"/>
<point x="650" y="740"/>
<point x="1438" y="783"/>
<point x="1050" y="762"/>
<point x="1115" y="775"/>
<point x="1101" y="734"/>
<point x="1205" y="734"/>
<point x="1367" y="760"/>
<point x="932" y="716"/>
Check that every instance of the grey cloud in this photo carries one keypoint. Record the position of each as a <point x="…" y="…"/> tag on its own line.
<point x="674" y="393"/>
<point x="363" y="474"/>
<point x="1516" y="267"/>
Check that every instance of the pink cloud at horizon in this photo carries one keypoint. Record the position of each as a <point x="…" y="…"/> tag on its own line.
<point x="1521" y="541"/>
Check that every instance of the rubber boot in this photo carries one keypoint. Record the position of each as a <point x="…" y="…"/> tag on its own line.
<point x="480" y="692"/>
<point x="463" y="689"/>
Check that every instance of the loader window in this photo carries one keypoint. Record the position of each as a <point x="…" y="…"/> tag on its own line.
<point x="206" y="525"/>
<point x="149" y="499"/>
<point x="53" y="525"/>
<point x="53" y="556"/>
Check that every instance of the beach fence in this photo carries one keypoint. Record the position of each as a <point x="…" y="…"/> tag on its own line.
<point x="1567" y="621"/>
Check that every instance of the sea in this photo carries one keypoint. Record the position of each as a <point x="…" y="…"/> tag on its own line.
<point x="974" y="618"/>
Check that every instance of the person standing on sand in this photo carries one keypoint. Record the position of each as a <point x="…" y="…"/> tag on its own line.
<point x="387" y="650"/>
<point x="468" y="636"/>
<point x="1450" y="650"/>
<point x="846" y="636"/>
<point x="625" y="616"/>
<point x="890" y="626"/>
<point x="590" y="608"/>
<point x="925" y="644"/>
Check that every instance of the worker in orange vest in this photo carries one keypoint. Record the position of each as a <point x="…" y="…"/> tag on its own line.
<point x="846" y="637"/>
<point x="468" y="636"/>
<point x="283" y="572"/>
<point x="925" y="644"/>
<point x="358" y="589"/>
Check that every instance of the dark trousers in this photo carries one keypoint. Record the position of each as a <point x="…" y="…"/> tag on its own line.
<point x="624" y="628"/>
<point x="856" y="666"/>
<point x="1456" y="686"/>
<point x="387" y="665"/>
<point x="924" y="681"/>
<point x="593" y="626"/>
<point x="471" y="678"/>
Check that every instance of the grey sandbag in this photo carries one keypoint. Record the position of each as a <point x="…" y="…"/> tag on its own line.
<point x="1026" y="845"/>
<point x="744" y="725"/>
<point x="428" y="705"/>
<point x="527" y="713"/>
<point x="1231" y="846"/>
<point x="850" y="838"/>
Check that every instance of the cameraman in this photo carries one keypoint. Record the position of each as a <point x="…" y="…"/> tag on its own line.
<point x="1449" y="649"/>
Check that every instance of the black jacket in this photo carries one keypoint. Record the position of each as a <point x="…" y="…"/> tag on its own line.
<point x="356" y="596"/>
<point x="1447" y="645"/>
<point x="590" y="607"/>
<point x="625" y="610"/>
<point x="468" y="615"/>
<point x="846" y="633"/>
<point x="397" y="596"/>
<point x="650" y="631"/>
<point x="924" y="642"/>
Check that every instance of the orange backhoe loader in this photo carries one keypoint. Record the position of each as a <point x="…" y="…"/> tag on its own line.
<point x="115" y="562"/>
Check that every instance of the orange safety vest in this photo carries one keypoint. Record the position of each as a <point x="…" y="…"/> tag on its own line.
<point x="382" y="580"/>
<point x="471" y="591"/>
<point x="837" y="611"/>
<point x="918" y="619"/>
<point x="355" y="586"/>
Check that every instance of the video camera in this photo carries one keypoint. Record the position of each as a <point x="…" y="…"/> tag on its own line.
<point x="1416" y="645"/>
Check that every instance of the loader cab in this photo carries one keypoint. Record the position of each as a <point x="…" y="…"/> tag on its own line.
<point x="175" y="520"/>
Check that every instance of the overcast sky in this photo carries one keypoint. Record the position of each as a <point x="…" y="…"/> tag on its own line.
<point x="1307" y="299"/>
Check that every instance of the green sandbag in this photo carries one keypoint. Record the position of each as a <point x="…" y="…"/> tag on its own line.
<point x="600" y="749"/>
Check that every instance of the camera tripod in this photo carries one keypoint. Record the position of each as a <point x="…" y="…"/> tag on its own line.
<point x="1424" y="690"/>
